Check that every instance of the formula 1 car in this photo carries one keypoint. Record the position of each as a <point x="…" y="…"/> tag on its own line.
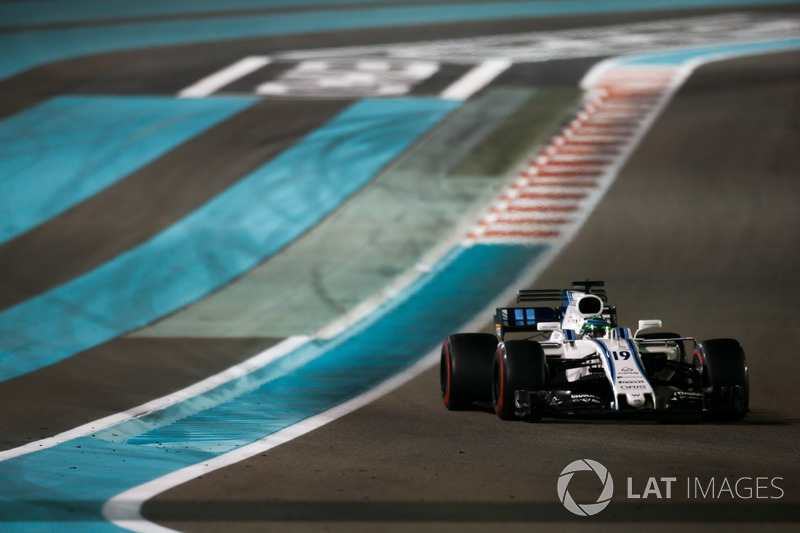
<point x="587" y="365"/>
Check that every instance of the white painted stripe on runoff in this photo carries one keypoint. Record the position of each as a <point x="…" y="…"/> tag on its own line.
<point x="549" y="190"/>
<point x="615" y="40"/>
<point x="349" y="78"/>
<point x="221" y="78"/>
<point x="476" y="79"/>
<point x="396" y="68"/>
<point x="250" y="365"/>
<point x="576" y="158"/>
<point x="124" y="510"/>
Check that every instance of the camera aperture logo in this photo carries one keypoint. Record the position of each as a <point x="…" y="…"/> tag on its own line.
<point x="697" y="488"/>
<point x="585" y="509"/>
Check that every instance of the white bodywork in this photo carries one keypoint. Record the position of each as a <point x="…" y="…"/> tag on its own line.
<point x="618" y="353"/>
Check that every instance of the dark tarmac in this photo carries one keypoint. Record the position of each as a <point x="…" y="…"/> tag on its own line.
<point x="697" y="230"/>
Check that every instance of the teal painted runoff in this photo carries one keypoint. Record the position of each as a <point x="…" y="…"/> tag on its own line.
<point x="65" y="150"/>
<point x="27" y="49"/>
<point x="82" y="474"/>
<point x="677" y="57"/>
<point x="223" y="239"/>
<point x="25" y="12"/>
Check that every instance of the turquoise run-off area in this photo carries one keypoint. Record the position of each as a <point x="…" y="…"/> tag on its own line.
<point x="252" y="220"/>
<point x="31" y="48"/>
<point x="418" y="202"/>
<point x="82" y="474"/>
<point x="678" y="57"/>
<point x="43" y="12"/>
<point x="67" y="149"/>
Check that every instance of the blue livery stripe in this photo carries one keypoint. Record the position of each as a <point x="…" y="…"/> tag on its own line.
<point x="623" y="333"/>
<point x="637" y="359"/>
<point x="609" y="359"/>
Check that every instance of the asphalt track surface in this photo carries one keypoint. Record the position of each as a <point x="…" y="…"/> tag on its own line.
<point x="127" y="214"/>
<point x="698" y="230"/>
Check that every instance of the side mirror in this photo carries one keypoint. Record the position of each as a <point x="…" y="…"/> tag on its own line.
<point x="647" y="324"/>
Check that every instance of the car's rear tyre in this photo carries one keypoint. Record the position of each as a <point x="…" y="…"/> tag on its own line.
<point x="725" y="378"/>
<point x="518" y="365"/>
<point x="465" y="369"/>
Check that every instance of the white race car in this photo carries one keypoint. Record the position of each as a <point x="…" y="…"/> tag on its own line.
<point x="587" y="365"/>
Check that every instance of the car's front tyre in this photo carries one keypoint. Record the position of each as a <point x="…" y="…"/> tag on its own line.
<point x="518" y="365"/>
<point x="725" y="378"/>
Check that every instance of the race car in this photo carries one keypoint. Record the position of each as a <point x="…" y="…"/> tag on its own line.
<point x="572" y="358"/>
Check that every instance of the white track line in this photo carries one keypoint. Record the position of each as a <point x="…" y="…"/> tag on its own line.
<point x="250" y="365"/>
<point x="124" y="510"/>
<point x="221" y="78"/>
<point x="475" y="80"/>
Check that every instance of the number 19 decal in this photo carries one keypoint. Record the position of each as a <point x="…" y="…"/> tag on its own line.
<point x="623" y="354"/>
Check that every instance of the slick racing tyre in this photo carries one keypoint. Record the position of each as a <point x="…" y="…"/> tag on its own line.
<point x="725" y="378"/>
<point x="465" y="370"/>
<point x="518" y="365"/>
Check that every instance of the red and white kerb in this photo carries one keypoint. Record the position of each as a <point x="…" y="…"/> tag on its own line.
<point x="560" y="185"/>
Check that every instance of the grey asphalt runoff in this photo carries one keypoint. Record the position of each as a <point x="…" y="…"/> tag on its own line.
<point x="700" y="230"/>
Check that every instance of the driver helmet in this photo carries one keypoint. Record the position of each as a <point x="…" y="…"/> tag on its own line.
<point x="596" y="327"/>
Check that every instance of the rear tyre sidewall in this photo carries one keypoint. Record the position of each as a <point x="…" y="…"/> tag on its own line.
<point x="465" y="369"/>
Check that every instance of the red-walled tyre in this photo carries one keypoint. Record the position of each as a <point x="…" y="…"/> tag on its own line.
<point x="518" y="365"/>
<point x="465" y="371"/>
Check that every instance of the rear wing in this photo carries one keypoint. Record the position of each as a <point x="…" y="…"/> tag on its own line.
<point x="561" y="295"/>
<point x="511" y="319"/>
